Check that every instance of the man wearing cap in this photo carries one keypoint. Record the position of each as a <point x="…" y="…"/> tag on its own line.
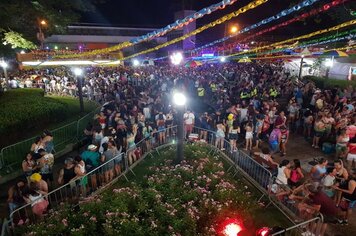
<point x="92" y="160"/>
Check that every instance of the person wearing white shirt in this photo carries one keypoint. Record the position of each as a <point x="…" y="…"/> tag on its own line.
<point x="189" y="120"/>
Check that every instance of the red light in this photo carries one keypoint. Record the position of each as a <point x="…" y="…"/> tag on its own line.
<point x="230" y="227"/>
<point x="263" y="232"/>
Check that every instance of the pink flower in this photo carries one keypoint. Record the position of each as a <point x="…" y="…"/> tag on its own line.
<point x="65" y="222"/>
<point x="93" y="218"/>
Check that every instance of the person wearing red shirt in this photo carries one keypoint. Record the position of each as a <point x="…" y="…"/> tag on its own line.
<point x="351" y="156"/>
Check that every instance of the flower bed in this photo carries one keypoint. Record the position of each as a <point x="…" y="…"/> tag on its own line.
<point x="193" y="198"/>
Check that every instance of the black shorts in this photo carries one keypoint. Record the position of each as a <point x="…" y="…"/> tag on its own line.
<point x="46" y="177"/>
<point x="233" y="136"/>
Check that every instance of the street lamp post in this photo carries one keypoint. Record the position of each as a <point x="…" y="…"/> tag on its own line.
<point x="40" y="35"/>
<point x="78" y="75"/>
<point x="4" y="66"/>
<point x="233" y="30"/>
<point x="180" y="100"/>
<point x="301" y="67"/>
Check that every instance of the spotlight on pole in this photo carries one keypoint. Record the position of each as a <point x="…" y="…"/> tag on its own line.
<point x="179" y="99"/>
<point x="222" y="59"/>
<point x="176" y="58"/>
<point x="78" y="71"/>
<point x="135" y="62"/>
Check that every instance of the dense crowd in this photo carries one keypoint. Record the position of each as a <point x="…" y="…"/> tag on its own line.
<point x="256" y="106"/>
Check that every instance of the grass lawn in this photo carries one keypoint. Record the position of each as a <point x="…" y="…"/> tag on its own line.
<point x="24" y="113"/>
<point x="196" y="197"/>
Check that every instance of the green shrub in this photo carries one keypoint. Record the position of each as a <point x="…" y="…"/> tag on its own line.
<point x="324" y="83"/>
<point x="24" y="109"/>
<point x="194" y="198"/>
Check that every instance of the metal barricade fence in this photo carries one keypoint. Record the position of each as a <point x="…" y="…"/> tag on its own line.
<point x="13" y="155"/>
<point x="75" y="190"/>
<point x="121" y="164"/>
<point x="83" y="122"/>
<point x="253" y="171"/>
<point x="309" y="227"/>
<point x="80" y="188"/>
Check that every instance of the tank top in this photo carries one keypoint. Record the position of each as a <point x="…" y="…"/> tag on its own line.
<point x="351" y="197"/>
<point x="281" y="177"/>
<point x="68" y="174"/>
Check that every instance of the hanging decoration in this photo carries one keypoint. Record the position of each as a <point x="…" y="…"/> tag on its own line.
<point x="290" y="56"/>
<point x="330" y="39"/>
<point x="221" y="20"/>
<point x="283" y="24"/>
<point x="157" y="33"/>
<point x="315" y="33"/>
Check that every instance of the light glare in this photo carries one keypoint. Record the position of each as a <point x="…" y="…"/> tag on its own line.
<point x="3" y="64"/>
<point x="232" y="229"/>
<point x="176" y="58"/>
<point x="135" y="62"/>
<point x="179" y="99"/>
<point x="78" y="71"/>
<point x="223" y="59"/>
<point x="234" y="29"/>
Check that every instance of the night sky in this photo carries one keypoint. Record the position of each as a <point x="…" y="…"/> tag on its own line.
<point x="159" y="13"/>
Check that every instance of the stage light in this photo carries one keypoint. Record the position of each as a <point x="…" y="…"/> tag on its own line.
<point x="55" y="47"/>
<point x="222" y="59"/>
<point x="179" y="99"/>
<point x="176" y="58"/>
<point x="135" y="62"/>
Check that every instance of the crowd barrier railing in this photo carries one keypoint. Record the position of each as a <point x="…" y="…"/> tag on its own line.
<point x="124" y="163"/>
<point x="309" y="227"/>
<point x="12" y="155"/>
<point x="80" y="188"/>
<point x="258" y="175"/>
<point x="253" y="171"/>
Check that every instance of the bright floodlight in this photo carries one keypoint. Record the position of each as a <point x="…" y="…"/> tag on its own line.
<point x="222" y="59"/>
<point x="179" y="99"/>
<point x="3" y="64"/>
<point x="232" y="229"/>
<point x="78" y="71"/>
<point x="176" y="58"/>
<point x="329" y="63"/>
<point x="135" y="62"/>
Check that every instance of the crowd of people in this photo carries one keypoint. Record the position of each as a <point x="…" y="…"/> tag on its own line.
<point x="238" y="102"/>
